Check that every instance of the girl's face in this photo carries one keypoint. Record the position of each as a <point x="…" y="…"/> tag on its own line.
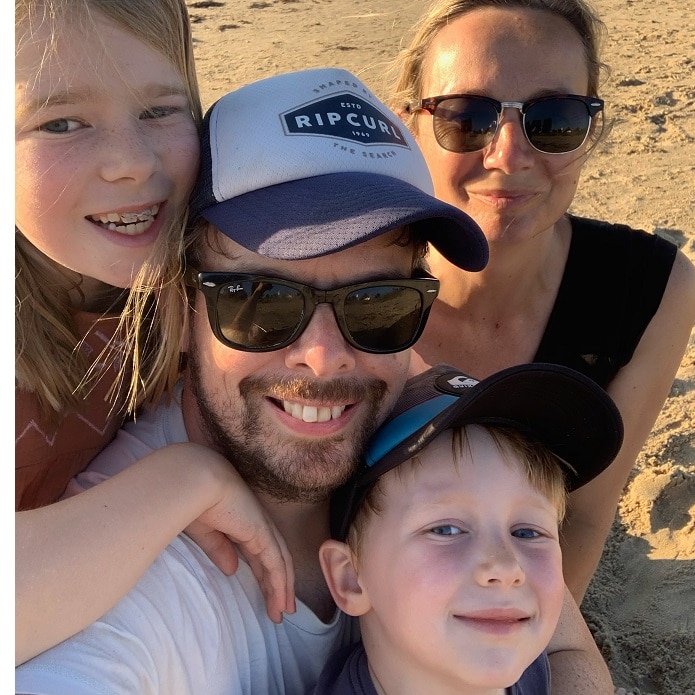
<point x="106" y="149"/>
<point x="509" y="54"/>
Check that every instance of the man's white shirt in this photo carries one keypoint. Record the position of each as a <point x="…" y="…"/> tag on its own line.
<point x="185" y="628"/>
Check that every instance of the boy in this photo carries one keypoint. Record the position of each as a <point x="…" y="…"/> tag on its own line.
<point x="446" y="542"/>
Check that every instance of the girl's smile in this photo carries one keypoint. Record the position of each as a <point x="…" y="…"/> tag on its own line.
<point x="106" y="148"/>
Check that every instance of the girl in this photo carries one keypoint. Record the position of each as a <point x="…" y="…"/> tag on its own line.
<point x="107" y="109"/>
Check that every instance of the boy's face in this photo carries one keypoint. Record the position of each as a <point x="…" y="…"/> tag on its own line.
<point x="462" y="571"/>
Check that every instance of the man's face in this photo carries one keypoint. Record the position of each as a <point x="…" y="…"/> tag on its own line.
<point x="294" y="420"/>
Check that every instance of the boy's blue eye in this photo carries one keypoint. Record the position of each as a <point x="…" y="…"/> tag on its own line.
<point x="446" y="530"/>
<point x="525" y="533"/>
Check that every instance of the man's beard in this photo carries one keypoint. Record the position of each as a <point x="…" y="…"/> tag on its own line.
<point x="296" y="470"/>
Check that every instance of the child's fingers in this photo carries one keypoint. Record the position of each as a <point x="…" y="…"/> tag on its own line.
<point x="217" y="547"/>
<point x="272" y="565"/>
<point x="266" y="554"/>
<point x="290" y="603"/>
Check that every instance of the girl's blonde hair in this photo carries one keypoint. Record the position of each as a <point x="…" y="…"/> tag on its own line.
<point x="48" y="358"/>
<point x="406" y="71"/>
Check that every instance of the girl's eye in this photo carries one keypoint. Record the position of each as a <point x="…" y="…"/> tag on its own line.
<point x="60" y="125"/>
<point x="525" y="533"/>
<point x="446" y="530"/>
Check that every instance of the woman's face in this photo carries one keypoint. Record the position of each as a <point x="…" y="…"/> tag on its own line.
<point x="106" y="149"/>
<point x="509" y="54"/>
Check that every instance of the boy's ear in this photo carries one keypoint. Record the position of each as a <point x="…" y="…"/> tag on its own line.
<point x="342" y="577"/>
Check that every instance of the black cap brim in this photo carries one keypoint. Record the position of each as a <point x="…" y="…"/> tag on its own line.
<point x="562" y="409"/>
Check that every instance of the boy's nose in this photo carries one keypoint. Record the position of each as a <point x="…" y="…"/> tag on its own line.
<point x="498" y="564"/>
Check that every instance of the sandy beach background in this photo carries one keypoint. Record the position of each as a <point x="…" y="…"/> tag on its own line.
<point x="641" y="605"/>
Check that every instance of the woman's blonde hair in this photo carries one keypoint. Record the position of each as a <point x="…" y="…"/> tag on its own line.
<point x="48" y="358"/>
<point x="406" y="71"/>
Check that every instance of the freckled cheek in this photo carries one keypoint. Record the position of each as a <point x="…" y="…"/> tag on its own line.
<point x="184" y="153"/>
<point x="431" y="571"/>
<point x="40" y="184"/>
<point x="546" y="570"/>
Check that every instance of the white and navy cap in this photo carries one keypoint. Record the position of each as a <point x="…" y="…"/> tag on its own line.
<point x="564" y="410"/>
<point x="308" y="163"/>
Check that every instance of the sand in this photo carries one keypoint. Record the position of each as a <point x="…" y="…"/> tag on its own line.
<point x="641" y="605"/>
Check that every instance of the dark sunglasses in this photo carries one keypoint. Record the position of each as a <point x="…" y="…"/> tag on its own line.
<point x="552" y="124"/>
<point x="255" y="313"/>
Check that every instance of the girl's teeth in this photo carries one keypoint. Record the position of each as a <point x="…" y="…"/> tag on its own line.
<point x="123" y="221"/>
<point x="131" y="229"/>
<point x="312" y="413"/>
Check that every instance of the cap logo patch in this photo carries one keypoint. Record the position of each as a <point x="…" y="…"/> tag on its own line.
<point x="461" y="382"/>
<point x="344" y="116"/>
<point x="455" y="383"/>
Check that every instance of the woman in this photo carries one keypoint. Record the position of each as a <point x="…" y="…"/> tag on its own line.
<point x="615" y="303"/>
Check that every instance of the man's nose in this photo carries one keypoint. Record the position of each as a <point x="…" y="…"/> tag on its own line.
<point x="321" y="348"/>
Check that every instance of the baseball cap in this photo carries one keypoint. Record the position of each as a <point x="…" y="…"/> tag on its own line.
<point x="308" y="163"/>
<point x="571" y="415"/>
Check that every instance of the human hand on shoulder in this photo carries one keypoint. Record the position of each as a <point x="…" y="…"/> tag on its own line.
<point x="235" y="522"/>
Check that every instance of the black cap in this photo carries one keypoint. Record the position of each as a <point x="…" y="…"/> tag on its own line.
<point x="571" y="415"/>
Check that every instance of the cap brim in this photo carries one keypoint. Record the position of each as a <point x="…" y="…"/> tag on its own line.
<point x="567" y="412"/>
<point x="316" y="216"/>
<point x="562" y="409"/>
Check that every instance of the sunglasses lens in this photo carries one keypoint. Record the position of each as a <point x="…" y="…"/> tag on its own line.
<point x="383" y="318"/>
<point x="259" y="315"/>
<point x="557" y="125"/>
<point x="464" y="124"/>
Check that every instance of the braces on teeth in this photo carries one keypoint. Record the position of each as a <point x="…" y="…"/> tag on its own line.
<point x="128" y="217"/>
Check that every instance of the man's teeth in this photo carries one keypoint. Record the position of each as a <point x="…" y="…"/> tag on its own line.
<point x="130" y="223"/>
<point x="313" y="413"/>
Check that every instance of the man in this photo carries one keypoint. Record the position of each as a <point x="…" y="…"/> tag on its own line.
<point x="311" y="194"/>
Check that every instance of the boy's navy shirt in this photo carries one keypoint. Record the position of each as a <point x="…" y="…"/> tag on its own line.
<point x="347" y="673"/>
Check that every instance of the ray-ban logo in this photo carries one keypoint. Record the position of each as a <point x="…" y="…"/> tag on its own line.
<point x="344" y="116"/>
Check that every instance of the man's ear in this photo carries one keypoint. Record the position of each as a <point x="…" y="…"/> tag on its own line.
<point x="339" y="568"/>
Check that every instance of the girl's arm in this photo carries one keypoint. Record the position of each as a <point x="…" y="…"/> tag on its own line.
<point x="76" y="558"/>
<point x="639" y="390"/>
